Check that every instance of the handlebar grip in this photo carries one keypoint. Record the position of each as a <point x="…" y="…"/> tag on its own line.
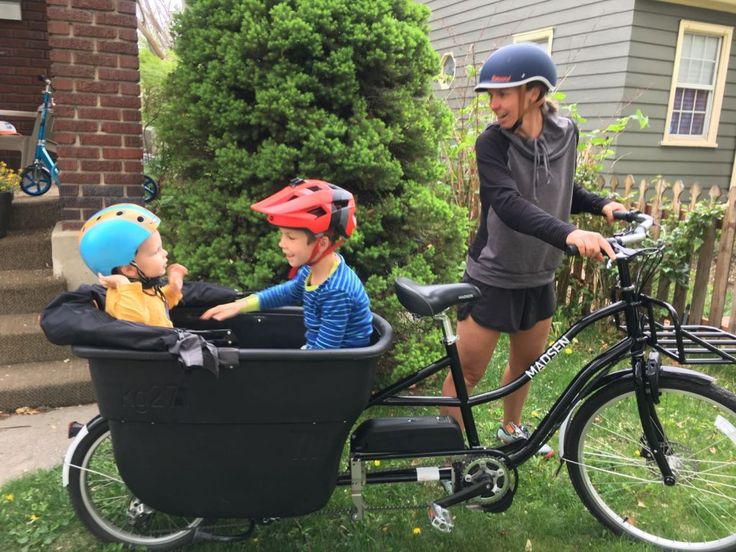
<point x="571" y="250"/>
<point x="628" y="216"/>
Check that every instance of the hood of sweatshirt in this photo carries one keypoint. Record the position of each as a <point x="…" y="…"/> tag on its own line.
<point x="552" y="143"/>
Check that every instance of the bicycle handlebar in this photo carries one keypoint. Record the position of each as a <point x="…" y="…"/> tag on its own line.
<point x="633" y="235"/>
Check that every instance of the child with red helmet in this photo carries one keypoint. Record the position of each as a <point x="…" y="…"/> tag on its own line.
<point x="314" y="217"/>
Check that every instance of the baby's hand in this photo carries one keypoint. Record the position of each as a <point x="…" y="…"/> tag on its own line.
<point x="224" y="311"/>
<point x="176" y="273"/>
<point x="112" y="281"/>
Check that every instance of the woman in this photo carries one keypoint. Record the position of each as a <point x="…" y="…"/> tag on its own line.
<point x="526" y="164"/>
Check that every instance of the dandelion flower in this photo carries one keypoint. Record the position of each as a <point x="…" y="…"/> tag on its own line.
<point x="33" y="517"/>
<point x="417" y="531"/>
<point x="376" y="462"/>
<point x="9" y="497"/>
<point x="568" y="350"/>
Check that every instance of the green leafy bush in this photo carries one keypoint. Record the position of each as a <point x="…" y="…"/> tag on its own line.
<point x="334" y="89"/>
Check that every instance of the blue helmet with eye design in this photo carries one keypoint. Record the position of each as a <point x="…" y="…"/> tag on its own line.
<point x="111" y="237"/>
<point x="517" y="64"/>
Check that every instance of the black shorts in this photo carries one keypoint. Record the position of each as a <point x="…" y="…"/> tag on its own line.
<point x="509" y="310"/>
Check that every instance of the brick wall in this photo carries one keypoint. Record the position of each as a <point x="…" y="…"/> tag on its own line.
<point x="94" y="64"/>
<point x="24" y="54"/>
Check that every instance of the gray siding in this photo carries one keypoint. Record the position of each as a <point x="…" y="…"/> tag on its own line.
<point x="613" y="56"/>
<point x="651" y="63"/>
<point x="458" y="26"/>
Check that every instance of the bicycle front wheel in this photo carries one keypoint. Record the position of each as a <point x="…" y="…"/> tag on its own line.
<point x="35" y="180"/>
<point x="617" y="478"/>
<point x="106" y="506"/>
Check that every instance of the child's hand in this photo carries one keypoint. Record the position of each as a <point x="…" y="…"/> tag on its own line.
<point x="112" y="281"/>
<point x="176" y="273"/>
<point x="224" y="311"/>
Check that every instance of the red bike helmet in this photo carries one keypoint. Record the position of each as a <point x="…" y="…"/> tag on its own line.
<point x="313" y="205"/>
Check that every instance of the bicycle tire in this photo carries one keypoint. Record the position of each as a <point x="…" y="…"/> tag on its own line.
<point x="150" y="189"/>
<point x="104" y="504"/>
<point x="35" y="180"/>
<point x="620" y="484"/>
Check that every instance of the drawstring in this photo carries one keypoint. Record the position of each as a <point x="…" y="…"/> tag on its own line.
<point x="540" y="151"/>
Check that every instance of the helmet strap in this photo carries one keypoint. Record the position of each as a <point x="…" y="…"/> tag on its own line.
<point x="316" y="257"/>
<point x="155" y="283"/>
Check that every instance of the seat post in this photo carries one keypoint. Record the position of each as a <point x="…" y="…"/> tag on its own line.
<point x="456" y="370"/>
<point x="448" y="334"/>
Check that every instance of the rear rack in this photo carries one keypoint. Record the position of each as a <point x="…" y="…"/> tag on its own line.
<point x="694" y="344"/>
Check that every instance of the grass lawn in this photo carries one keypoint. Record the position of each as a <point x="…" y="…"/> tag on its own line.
<point x="35" y="513"/>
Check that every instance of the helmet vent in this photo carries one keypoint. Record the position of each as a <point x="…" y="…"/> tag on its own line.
<point x="119" y="213"/>
<point x="141" y="219"/>
<point x="317" y="212"/>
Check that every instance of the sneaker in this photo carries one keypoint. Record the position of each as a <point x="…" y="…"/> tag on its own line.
<point x="510" y="432"/>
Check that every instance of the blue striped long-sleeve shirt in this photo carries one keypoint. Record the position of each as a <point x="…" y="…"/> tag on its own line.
<point x="337" y="313"/>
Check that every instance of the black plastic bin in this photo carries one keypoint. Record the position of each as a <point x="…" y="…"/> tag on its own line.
<point x="263" y="439"/>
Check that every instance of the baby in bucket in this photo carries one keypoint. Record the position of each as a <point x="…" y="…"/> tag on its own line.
<point x="314" y="218"/>
<point x="122" y="246"/>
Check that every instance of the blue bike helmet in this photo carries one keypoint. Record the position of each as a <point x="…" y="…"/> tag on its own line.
<point x="111" y="237"/>
<point x="517" y="64"/>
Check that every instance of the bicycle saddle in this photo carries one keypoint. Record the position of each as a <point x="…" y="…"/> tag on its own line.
<point x="431" y="300"/>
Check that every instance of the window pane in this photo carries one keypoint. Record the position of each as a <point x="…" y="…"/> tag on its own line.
<point x="701" y="100"/>
<point x="698" y="123"/>
<point x="675" y="123"/>
<point x="688" y="111"/>
<point x="711" y="47"/>
<point x="698" y="59"/>
<point x="688" y="100"/>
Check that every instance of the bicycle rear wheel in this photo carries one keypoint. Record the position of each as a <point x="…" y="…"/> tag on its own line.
<point x="106" y="506"/>
<point x="618" y="480"/>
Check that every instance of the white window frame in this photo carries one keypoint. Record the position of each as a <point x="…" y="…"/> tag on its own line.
<point x="446" y="80"/>
<point x="10" y="9"/>
<point x="713" y="115"/>
<point x="537" y="36"/>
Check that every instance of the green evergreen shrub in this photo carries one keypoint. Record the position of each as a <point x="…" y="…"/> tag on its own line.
<point x="334" y="89"/>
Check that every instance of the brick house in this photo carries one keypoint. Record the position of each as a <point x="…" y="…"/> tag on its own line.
<point x="90" y="50"/>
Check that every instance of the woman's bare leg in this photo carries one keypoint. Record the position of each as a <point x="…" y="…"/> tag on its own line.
<point x="525" y="346"/>
<point x="475" y="346"/>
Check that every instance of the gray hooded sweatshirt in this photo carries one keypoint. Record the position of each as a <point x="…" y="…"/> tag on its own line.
<point x="527" y="193"/>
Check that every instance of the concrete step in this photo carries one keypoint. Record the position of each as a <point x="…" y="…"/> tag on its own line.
<point x="24" y="291"/>
<point x="31" y="213"/>
<point x="22" y="340"/>
<point x="26" y="250"/>
<point x="56" y="383"/>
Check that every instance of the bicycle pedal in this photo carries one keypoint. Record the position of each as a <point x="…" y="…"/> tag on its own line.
<point x="440" y="518"/>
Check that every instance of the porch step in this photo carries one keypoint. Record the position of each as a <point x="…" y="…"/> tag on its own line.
<point x="23" y="291"/>
<point x="23" y="341"/>
<point x="54" y="383"/>
<point x="26" y="250"/>
<point x="32" y="213"/>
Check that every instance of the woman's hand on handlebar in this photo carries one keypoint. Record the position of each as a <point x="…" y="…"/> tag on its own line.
<point x="590" y="244"/>
<point x="610" y="208"/>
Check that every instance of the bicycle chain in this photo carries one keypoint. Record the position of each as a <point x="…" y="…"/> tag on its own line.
<point x="335" y="512"/>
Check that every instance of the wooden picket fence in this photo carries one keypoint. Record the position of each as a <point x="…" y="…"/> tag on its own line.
<point x="710" y="264"/>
